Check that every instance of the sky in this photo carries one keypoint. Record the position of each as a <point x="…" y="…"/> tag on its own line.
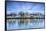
<point x="16" y="7"/>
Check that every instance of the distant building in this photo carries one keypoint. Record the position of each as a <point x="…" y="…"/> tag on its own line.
<point x="24" y="17"/>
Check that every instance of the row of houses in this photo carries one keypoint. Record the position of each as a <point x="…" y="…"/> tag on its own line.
<point x="36" y="15"/>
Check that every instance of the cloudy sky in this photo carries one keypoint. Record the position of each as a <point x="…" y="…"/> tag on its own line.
<point x="16" y="7"/>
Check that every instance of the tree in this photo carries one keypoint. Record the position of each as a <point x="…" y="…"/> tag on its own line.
<point x="21" y="13"/>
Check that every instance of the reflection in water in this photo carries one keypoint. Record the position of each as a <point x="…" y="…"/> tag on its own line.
<point x="11" y="21"/>
<point x="23" y="24"/>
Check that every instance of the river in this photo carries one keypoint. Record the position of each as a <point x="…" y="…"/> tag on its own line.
<point x="37" y="23"/>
